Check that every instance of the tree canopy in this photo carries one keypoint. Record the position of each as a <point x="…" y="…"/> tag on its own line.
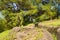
<point x="23" y="12"/>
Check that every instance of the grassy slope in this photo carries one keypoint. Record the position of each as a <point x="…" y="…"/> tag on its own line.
<point x="53" y="23"/>
<point x="3" y="35"/>
<point x="54" y="36"/>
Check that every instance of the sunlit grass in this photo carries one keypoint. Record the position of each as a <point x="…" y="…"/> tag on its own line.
<point x="54" y="23"/>
<point x="3" y="35"/>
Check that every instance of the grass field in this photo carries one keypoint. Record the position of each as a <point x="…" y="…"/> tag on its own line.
<point x="54" y="23"/>
<point x="3" y="35"/>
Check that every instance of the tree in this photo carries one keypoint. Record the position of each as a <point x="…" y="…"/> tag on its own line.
<point x="3" y="25"/>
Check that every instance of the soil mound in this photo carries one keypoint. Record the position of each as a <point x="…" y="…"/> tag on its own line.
<point x="31" y="34"/>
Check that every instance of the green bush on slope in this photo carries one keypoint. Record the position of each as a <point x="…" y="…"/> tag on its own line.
<point x="34" y="7"/>
<point x="54" y="36"/>
<point x="4" y="35"/>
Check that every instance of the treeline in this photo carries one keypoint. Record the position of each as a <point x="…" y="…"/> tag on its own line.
<point x="23" y="12"/>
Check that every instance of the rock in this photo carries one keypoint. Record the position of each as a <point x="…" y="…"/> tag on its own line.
<point x="58" y="34"/>
<point x="16" y="29"/>
<point x="58" y="30"/>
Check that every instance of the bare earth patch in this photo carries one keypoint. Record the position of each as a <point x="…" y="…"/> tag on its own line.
<point x="32" y="34"/>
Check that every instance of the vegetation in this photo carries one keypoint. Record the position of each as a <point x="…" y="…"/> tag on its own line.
<point x="34" y="11"/>
<point x="54" y="23"/>
<point x="23" y="12"/>
<point x="4" y="35"/>
<point x="54" y="36"/>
